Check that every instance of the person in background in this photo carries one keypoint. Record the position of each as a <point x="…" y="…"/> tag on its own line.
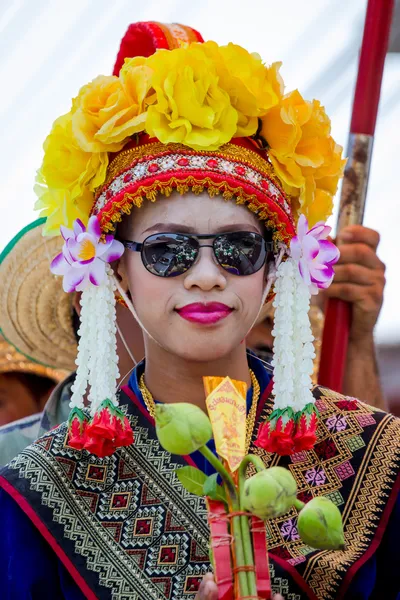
<point x="360" y="280"/>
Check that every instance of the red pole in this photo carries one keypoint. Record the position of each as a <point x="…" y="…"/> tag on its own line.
<point x="352" y="202"/>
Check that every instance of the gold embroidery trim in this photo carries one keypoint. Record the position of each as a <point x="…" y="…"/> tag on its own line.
<point x="109" y="218"/>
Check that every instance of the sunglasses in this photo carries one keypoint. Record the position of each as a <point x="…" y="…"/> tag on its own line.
<point x="171" y="254"/>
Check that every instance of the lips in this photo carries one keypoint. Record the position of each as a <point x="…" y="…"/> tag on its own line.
<point x="206" y="314"/>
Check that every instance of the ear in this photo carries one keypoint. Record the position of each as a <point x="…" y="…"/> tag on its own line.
<point x="120" y="272"/>
<point x="76" y="303"/>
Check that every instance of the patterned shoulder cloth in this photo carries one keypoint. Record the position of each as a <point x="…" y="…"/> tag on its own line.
<point x="124" y="524"/>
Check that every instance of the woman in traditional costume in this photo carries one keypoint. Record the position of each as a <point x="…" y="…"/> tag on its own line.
<point x="217" y="185"/>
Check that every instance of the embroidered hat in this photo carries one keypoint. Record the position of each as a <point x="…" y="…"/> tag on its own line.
<point x="35" y="313"/>
<point x="185" y="115"/>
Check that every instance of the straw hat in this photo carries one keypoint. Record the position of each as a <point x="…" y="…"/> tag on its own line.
<point x="12" y="361"/>
<point x="35" y="312"/>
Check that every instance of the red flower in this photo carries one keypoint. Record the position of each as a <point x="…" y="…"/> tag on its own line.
<point x="276" y="434"/>
<point x="306" y="429"/>
<point x="99" y="446"/>
<point x="103" y="424"/>
<point x="77" y="426"/>
<point x="124" y="433"/>
<point x="109" y="429"/>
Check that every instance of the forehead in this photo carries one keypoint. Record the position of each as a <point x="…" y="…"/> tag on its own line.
<point x="198" y="212"/>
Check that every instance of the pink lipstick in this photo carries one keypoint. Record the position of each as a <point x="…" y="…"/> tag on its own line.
<point x="206" y="314"/>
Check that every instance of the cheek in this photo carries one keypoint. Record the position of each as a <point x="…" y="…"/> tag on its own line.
<point x="149" y="293"/>
<point x="250" y="291"/>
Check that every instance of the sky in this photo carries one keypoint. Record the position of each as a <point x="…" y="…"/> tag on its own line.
<point x="50" y="48"/>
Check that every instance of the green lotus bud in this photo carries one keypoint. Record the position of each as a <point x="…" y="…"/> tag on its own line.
<point x="182" y="428"/>
<point x="320" y="525"/>
<point x="270" y="493"/>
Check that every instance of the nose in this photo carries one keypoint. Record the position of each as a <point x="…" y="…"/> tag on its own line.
<point x="205" y="274"/>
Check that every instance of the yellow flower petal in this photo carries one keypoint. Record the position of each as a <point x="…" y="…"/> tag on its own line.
<point x="321" y="208"/>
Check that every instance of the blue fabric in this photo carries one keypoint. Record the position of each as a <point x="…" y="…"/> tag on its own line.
<point x="263" y="378"/>
<point x="29" y="569"/>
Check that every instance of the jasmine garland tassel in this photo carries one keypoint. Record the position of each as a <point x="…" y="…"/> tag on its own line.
<point x="102" y="426"/>
<point x="309" y="267"/>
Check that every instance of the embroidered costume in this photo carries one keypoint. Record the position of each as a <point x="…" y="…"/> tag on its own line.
<point x="94" y="509"/>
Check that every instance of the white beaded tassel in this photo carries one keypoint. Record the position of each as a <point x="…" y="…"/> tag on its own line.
<point x="87" y="321"/>
<point x="103" y="373"/>
<point x="97" y="351"/>
<point x="303" y="338"/>
<point x="283" y="361"/>
<point x="293" y="347"/>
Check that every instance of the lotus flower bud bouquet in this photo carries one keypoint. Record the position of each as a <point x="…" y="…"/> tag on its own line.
<point x="238" y="504"/>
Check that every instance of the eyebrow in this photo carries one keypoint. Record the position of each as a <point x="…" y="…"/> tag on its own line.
<point x="179" y="228"/>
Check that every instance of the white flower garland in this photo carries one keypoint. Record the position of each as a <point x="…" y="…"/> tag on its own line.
<point x="302" y="344"/>
<point x="97" y="352"/>
<point x="293" y="347"/>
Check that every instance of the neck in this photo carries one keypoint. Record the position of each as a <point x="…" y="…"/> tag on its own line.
<point x="171" y="378"/>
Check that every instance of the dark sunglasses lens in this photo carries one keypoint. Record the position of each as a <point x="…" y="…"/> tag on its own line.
<point x="169" y="254"/>
<point x="240" y="253"/>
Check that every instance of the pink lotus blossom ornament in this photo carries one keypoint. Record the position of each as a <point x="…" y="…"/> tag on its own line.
<point x="315" y="254"/>
<point x="84" y="257"/>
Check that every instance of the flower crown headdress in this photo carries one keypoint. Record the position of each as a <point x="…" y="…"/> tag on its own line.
<point x="195" y="116"/>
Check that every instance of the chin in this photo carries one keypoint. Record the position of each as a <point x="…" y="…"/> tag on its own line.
<point x="208" y="349"/>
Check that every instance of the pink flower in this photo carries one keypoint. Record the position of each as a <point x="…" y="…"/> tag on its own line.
<point x="84" y="257"/>
<point x="315" y="254"/>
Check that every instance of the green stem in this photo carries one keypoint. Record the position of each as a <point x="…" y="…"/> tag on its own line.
<point x="298" y="504"/>
<point x="219" y="467"/>
<point x="253" y="459"/>
<point x="244" y="521"/>
<point x="236" y="528"/>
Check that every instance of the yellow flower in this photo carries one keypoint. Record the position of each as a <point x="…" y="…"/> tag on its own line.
<point x="190" y="106"/>
<point x="305" y="157"/>
<point x="106" y="112"/>
<point x="252" y="87"/>
<point x="67" y="178"/>
<point x="66" y="166"/>
<point x="59" y="208"/>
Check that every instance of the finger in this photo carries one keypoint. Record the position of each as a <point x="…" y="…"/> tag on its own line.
<point x="358" y="274"/>
<point x="208" y="589"/>
<point x="360" y="254"/>
<point x="278" y="597"/>
<point x="371" y="297"/>
<point x="359" y="234"/>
